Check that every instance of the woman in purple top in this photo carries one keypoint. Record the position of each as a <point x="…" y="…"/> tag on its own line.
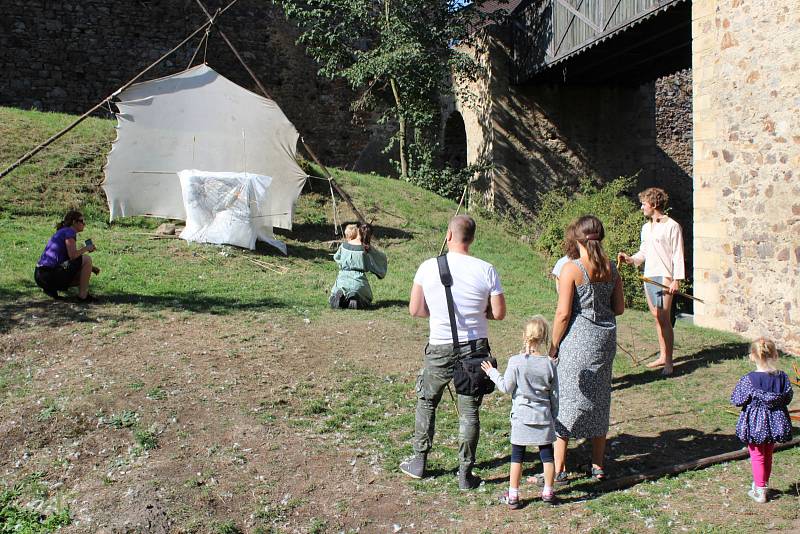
<point x="763" y="395"/>
<point x="63" y="264"/>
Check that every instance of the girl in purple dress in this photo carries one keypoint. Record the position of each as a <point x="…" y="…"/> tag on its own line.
<point x="763" y="395"/>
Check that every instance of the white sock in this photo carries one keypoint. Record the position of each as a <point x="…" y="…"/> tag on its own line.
<point x="513" y="493"/>
<point x="547" y="489"/>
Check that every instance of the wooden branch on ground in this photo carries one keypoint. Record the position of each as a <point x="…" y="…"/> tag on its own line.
<point x="269" y="266"/>
<point x="623" y="349"/>
<point x="631" y="480"/>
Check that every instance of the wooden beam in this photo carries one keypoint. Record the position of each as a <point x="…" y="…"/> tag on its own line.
<point x="631" y="480"/>
<point x="580" y="15"/>
<point x="566" y="30"/>
<point x="611" y="16"/>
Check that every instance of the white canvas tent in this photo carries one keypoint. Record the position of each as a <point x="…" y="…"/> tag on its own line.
<point x="198" y="119"/>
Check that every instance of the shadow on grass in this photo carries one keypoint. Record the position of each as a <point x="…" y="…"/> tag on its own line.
<point x="18" y="308"/>
<point x="683" y="365"/>
<point x="389" y="304"/>
<point x="627" y="454"/>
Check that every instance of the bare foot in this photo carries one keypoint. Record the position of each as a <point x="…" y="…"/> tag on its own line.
<point x="655" y="364"/>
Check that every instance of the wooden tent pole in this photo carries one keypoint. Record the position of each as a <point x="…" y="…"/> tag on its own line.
<point x="624" y="482"/>
<point x="263" y="90"/>
<point x="83" y="117"/>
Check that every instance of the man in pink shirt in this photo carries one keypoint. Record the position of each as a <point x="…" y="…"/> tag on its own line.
<point x="661" y="251"/>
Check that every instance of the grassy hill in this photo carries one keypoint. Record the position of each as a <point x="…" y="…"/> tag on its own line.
<point x="208" y="394"/>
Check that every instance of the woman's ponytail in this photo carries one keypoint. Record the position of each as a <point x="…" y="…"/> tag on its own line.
<point x="589" y="232"/>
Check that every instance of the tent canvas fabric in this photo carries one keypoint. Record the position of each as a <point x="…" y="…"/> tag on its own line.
<point x="198" y="119"/>
<point x="227" y="208"/>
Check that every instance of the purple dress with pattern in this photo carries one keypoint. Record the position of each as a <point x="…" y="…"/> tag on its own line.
<point x="763" y="398"/>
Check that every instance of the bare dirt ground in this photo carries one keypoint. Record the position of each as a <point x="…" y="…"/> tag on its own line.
<point x="207" y="388"/>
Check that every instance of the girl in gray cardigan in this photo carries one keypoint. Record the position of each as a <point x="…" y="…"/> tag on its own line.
<point x="532" y="380"/>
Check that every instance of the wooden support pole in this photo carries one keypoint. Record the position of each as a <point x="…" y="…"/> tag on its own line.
<point x="263" y="90"/>
<point x="624" y="482"/>
<point x="83" y="117"/>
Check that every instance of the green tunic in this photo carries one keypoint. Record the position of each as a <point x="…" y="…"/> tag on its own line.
<point x="354" y="264"/>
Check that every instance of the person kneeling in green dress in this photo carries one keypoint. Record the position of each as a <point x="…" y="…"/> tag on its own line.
<point x="355" y="258"/>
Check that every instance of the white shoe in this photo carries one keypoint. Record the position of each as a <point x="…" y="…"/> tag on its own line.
<point x="758" y="494"/>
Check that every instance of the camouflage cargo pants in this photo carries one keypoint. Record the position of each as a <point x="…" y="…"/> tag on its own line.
<point x="436" y="373"/>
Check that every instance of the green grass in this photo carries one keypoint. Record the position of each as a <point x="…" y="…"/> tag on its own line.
<point x="370" y="412"/>
<point x="17" y="519"/>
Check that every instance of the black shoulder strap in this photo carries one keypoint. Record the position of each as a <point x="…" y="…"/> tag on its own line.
<point x="447" y="282"/>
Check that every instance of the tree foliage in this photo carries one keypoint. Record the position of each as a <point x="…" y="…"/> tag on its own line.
<point x="398" y="52"/>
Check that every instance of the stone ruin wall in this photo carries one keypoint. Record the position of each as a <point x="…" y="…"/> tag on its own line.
<point x="69" y="55"/>
<point x="747" y="163"/>
<point x="544" y="136"/>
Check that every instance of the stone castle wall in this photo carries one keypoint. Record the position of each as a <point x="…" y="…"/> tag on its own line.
<point x="543" y="136"/>
<point x="69" y="55"/>
<point x="746" y="84"/>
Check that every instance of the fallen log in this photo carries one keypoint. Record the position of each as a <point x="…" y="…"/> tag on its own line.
<point x="624" y="482"/>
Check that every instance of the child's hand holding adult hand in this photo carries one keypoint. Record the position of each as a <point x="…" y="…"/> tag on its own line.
<point x="486" y="366"/>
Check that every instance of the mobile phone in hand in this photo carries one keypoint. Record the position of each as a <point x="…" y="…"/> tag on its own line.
<point x="89" y="243"/>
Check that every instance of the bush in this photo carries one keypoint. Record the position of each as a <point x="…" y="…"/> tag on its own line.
<point x="619" y="214"/>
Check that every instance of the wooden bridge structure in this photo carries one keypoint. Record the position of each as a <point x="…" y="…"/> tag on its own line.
<point x="597" y="41"/>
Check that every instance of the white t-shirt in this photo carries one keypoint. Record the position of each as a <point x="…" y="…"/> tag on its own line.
<point x="474" y="281"/>
<point x="661" y="250"/>
<point x="562" y="261"/>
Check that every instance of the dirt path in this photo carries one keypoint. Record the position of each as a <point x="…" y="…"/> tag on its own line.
<point x="213" y="391"/>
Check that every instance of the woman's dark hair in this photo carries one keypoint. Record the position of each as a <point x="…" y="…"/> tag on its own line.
<point x="69" y="219"/>
<point x="570" y="246"/>
<point x="365" y="232"/>
<point x="589" y="232"/>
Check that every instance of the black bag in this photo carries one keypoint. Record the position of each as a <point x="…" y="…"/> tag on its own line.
<point x="468" y="377"/>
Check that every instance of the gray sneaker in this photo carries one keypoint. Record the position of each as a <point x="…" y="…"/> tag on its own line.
<point x="466" y="480"/>
<point x="414" y="466"/>
<point x="758" y="494"/>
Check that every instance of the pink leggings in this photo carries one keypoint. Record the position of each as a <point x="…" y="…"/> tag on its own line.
<point x="761" y="461"/>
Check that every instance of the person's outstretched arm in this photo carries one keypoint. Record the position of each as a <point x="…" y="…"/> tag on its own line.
<point x="506" y="383"/>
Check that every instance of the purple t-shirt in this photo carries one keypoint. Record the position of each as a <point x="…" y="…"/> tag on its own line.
<point x="55" y="253"/>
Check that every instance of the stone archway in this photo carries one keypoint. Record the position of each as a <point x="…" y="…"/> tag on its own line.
<point x="454" y="153"/>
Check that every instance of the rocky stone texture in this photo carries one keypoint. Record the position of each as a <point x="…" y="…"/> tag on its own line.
<point x="67" y="56"/>
<point x="746" y="84"/>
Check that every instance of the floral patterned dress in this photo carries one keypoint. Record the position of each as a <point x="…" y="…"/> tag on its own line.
<point x="763" y="397"/>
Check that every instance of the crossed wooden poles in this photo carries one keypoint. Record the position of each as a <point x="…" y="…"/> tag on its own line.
<point x="212" y="21"/>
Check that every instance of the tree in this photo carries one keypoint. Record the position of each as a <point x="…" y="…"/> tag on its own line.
<point x="399" y="51"/>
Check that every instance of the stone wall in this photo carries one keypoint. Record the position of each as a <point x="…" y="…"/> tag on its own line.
<point x="746" y="84"/>
<point x="69" y="55"/>
<point x="541" y="136"/>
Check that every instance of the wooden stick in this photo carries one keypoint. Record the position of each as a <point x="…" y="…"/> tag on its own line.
<point x="263" y="90"/>
<point x="635" y="361"/>
<point x="681" y="293"/>
<point x="83" y="117"/>
<point x="623" y="482"/>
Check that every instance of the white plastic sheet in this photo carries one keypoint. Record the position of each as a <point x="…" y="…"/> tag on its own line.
<point x="227" y="208"/>
<point x="197" y="119"/>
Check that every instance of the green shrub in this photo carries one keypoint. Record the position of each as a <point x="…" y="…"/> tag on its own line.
<point x="619" y="214"/>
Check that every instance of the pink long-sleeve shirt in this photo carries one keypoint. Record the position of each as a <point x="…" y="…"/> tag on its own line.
<point x="661" y="250"/>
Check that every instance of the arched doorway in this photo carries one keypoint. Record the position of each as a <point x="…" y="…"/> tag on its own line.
<point x="454" y="153"/>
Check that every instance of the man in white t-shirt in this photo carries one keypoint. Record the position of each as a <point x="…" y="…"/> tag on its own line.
<point x="477" y="297"/>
